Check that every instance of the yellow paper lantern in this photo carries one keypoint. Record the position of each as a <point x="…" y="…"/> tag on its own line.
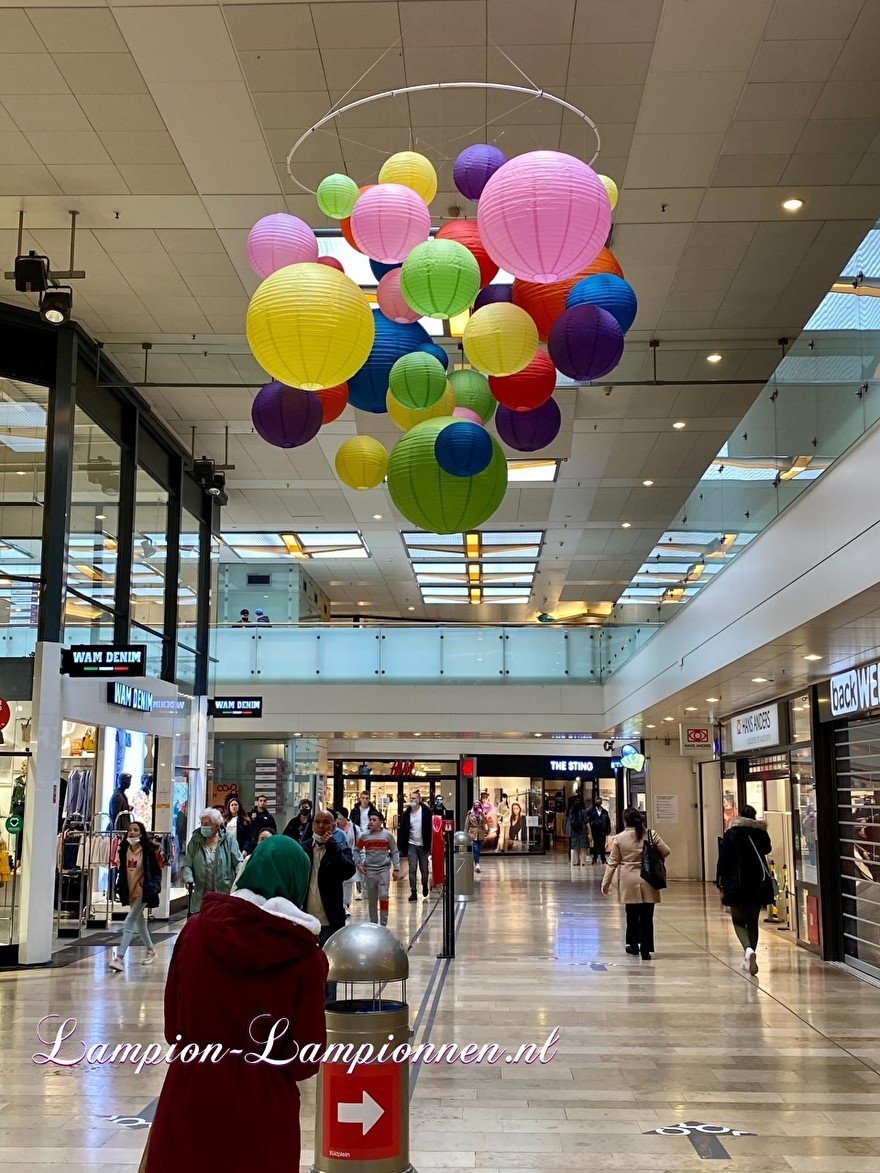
<point x="310" y="326"/>
<point x="362" y="462"/>
<point x="611" y="187"/>
<point x="408" y="417"/>
<point x="413" y="170"/>
<point x="500" y="339"/>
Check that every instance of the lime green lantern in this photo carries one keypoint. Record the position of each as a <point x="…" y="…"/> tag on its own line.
<point x="417" y="380"/>
<point x="472" y="390"/>
<point x="440" y="278"/>
<point x="337" y="196"/>
<point x="433" y="499"/>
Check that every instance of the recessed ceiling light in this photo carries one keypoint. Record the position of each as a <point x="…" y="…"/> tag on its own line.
<point x="21" y="473"/>
<point x="669" y="718"/>
<point x="713" y="357"/>
<point x="100" y="517"/>
<point x="812" y="657"/>
<point x="792" y="205"/>
<point x="626" y="525"/>
<point x="417" y="735"/>
<point x="363" y="603"/>
<point x="713" y="700"/>
<point x="649" y="726"/>
<point x="410" y="608"/>
<point x="690" y="708"/>
<point x="679" y="424"/>
<point x="539" y="735"/>
<point x="759" y="680"/>
<point x="647" y="483"/>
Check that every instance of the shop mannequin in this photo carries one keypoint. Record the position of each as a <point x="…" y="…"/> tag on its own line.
<point x="142" y="802"/>
<point x="120" y="808"/>
<point x="502" y="812"/>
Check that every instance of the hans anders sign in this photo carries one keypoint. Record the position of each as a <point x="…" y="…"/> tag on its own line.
<point x="109" y="660"/>
<point x="126" y="696"/>
<point x="855" y="691"/>
<point x="755" y="729"/>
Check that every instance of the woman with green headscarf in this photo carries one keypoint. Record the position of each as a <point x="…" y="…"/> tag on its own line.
<point x="247" y="961"/>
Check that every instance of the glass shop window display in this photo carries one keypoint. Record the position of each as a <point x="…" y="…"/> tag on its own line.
<point x="126" y="793"/>
<point x="15" y="772"/>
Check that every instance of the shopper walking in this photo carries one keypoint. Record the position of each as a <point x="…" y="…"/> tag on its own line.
<point x="577" y="830"/>
<point x="239" y="825"/>
<point x="331" y="865"/>
<point x="377" y="855"/>
<point x="211" y="860"/>
<point x="637" y="895"/>
<point x="138" y="882"/>
<point x="600" y="828"/>
<point x="300" y="826"/>
<point x="360" y="816"/>
<point x="476" y="827"/>
<point x="414" y="837"/>
<point x="248" y="961"/>
<point x="744" y="879"/>
<point x="345" y="828"/>
<point x="262" y="817"/>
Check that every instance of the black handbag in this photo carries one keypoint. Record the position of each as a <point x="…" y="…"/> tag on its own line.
<point x="653" y="864"/>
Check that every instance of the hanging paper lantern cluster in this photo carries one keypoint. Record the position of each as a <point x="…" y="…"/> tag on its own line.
<point x="543" y="217"/>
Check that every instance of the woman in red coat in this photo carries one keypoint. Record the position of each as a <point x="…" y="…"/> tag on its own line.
<point x="245" y="962"/>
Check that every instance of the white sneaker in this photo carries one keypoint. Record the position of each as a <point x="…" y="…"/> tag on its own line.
<point x="477" y="868"/>
<point x="150" y="957"/>
<point x="115" y="962"/>
<point x="750" y="961"/>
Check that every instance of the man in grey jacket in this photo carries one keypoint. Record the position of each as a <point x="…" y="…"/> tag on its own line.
<point x="376" y="852"/>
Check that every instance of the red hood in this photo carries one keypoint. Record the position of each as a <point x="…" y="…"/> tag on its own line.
<point x="241" y="936"/>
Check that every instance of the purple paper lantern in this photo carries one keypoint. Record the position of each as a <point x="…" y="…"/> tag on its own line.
<point x="585" y="342"/>
<point x="529" y="431"/>
<point x="474" y="167"/>
<point x="491" y="294"/>
<point x="279" y="240"/>
<point x="286" y="416"/>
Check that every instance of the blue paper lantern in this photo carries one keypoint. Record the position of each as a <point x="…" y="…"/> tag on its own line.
<point x="368" y="388"/>
<point x="463" y="449"/>
<point x="379" y="268"/>
<point x="438" y="353"/>
<point x="608" y="292"/>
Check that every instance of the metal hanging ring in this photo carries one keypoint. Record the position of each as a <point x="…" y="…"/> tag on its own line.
<point x="441" y="85"/>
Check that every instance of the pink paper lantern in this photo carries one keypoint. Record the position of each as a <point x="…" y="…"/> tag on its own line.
<point x="332" y="263"/>
<point x="279" y="240"/>
<point x="465" y="413"/>
<point x="544" y="216"/>
<point x="389" y="220"/>
<point x="391" y="300"/>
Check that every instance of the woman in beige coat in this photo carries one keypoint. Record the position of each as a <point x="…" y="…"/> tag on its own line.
<point x="638" y="896"/>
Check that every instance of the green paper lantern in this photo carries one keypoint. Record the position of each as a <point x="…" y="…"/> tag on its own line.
<point x="337" y="196"/>
<point x="417" y="380"/>
<point x="435" y="500"/>
<point x="472" y="390"/>
<point x="440" y="278"/>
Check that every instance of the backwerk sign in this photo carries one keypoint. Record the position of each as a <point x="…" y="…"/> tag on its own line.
<point x="855" y="691"/>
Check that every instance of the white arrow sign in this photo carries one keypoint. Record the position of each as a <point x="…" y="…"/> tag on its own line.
<point x="367" y="1113"/>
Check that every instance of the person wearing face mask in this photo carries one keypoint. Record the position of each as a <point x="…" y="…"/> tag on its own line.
<point x="414" y="840"/>
<point x="300" y="826"/>
<point x="138" y="883"/>
<point x="212" y="859"/>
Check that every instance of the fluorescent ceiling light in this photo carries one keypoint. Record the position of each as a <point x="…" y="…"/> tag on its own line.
<point x="626" y="525"/>
<point x="690" y="709"/>
<point x="759" y="680"/>
<point x="679" y="424"/>
<point x="23" y="443"/>
<point x="812" y="657"/>
<point x="714" y="357"/>
<point x="792" y="204"/>
<point x="531" y="470"/>
<point x="713" y="700"/>
<point x="647" y="483"/>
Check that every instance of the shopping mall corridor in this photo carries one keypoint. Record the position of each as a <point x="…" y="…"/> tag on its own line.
<point x="790" y="1059"/>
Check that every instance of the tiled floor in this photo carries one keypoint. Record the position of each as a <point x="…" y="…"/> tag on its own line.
<point x="791" y="1058"/>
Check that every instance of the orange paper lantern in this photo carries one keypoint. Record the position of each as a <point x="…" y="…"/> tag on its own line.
<point x="334" y="401"/>
<point x="544" y="303"/>
<point x="345" y="225"/>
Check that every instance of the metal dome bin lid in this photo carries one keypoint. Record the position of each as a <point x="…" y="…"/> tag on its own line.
<point x="365" y="952"/>
<point x="461" y="839"/>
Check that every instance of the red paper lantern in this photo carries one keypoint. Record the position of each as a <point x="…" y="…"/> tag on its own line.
<point x="331" y="263"/>
<point x="334" y="401"/>
<point x="467" y="233"/>
<point x="544" y="303"/>
<point x="529" y="388"/>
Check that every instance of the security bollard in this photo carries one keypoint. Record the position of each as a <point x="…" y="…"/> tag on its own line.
<point x="362" y="1112"/>
<point x="464" y="868"/>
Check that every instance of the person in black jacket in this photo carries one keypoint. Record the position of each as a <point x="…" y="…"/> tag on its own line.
<point x="744" y="880"/>
<point x="414" y="831"/>
<point x="600" y="828"/>
<point x="332" y="864"/>
<point x="138" y="883"/>
<point x="262" y="818"/>
<point x="239" y="823"/>
<point x="300" y="826"/>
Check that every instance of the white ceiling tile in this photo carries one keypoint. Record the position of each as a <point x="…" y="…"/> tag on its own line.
<point x="78" y="30"/>
<point x="156" y="179"/>
<point x="520" y="22"/>
<point x="849" y="99"/>
<point x="689" y="102"/>
<point x="100" y="73"/>
<point x="30" y="73"/>
<point x="748" y="170"/>
<point x="207" y="110"/>
<point x="17" y="34"/>
<point x="795" y="60"/>
<point x="466" y="63"/>
<point x="806" y="20"/>
<point x="140" y="147"/>
<point x="623" y="64"/>
<point x="14" y="148"/>
<point x="300" y="109"/>
<point x="181" y="42"/>
<point x="270" y="26"/>
<point x="353" y="25"/>
<point x="778" y="101"/>
<point x="673" y="160"/>
<point x="175" y="313"/>
<point x="283" y="70"/>
<point x="838" y="136"/>
<point x="55" y="112"/>
<point x="89" y="179"/>
<point x="124" y="112"/>
<point x="718" y="35"/>
<point x="763" y="137"/>
<point x="76" y="146"/>
<point x="609" y="21"/>
<point x="227" y="166"/>
<point x="607" y="103"/>
<point x="820" y="169"/>
<point x="446" y="22"/>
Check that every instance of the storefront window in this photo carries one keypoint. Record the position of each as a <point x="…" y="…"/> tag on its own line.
<point x="799" y="719"/>
<point x="805" y="845"/>
<point x="857" y="747"/>
<point x="149" y="553"/>
<point x="729" y="800"/>
<point x="389" y="784"/>
<point x="93" y="538"/>
<point x="285" y="771"/>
